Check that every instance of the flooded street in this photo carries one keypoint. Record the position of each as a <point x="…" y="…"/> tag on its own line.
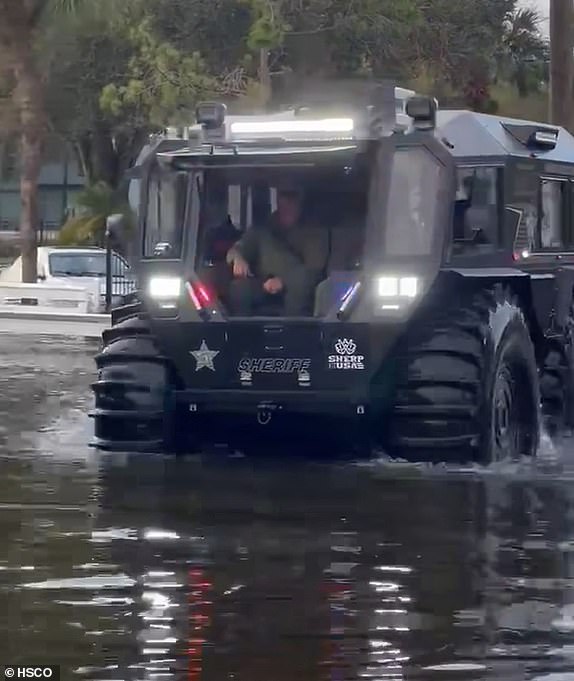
<point x="213" y="568"/>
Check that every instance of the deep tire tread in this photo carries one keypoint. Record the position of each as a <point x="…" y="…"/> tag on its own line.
<point x="132" y="391"/>
<point x="554" y="377"/>
<point x="440" y="383"/>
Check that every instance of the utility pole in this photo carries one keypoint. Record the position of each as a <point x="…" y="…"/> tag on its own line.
<point x="561" y="62"/>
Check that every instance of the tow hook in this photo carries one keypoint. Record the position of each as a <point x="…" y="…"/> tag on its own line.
<point x="264" y="417"/>
<point x="265" y="413"/>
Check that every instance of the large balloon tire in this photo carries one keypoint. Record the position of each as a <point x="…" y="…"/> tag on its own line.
<point x="467" y="385"/>
<point x="134" y="406"/>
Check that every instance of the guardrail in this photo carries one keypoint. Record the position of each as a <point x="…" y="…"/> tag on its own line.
<point x="40" y="309"/>
<point x="44" y="297"/>
<point x="27" y="323"/>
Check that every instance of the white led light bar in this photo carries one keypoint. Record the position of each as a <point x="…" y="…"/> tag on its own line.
<point x="340" y="125"/>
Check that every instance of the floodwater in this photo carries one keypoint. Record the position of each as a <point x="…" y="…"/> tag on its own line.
<point x="213" y="568"/>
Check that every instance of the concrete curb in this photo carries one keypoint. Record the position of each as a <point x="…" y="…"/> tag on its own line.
<point x="28" y="322"/>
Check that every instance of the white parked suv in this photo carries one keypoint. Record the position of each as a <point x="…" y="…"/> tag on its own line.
<point x="81" y="268"/>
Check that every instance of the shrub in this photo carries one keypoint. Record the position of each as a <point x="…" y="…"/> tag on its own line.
<point x="96" y="203"/>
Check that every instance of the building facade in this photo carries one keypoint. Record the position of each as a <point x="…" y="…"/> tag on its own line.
<point x="60" y="183"/>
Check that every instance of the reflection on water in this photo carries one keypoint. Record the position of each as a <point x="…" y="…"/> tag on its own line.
<point x="142" y="567"/>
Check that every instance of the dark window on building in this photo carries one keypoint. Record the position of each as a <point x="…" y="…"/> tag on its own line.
<point x="9" y="161"/>
<point x="476" y="227"/>
<point x="552" y="215"/>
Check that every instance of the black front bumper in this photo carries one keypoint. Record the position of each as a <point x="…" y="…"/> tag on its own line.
<point x="279" y="402"/>
<point x="238" y="417"/>
<point x="301" y="422"/>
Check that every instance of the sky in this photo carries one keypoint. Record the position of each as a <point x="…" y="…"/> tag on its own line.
<point x="542" y="6"/>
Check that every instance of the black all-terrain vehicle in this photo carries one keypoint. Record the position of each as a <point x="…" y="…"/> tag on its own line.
<point x="442" y="323"/>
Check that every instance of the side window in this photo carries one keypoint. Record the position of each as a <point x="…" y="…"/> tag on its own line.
<point x="411" y="214"/>
<point x="262" y="202"/>
<point x="165" y="212"/>
<point x="477" y="211"/>
<point x="235" y="204"/>
<point x="231" y="203"/>
<point x="570" y="218"/>
<point x="551" y="222"/>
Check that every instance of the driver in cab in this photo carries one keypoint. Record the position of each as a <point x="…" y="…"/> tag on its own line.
<point x="282" y="261"/>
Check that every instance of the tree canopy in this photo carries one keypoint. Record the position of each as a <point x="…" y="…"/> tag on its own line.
<point x="101" y="75"/>
<point x="115" y="71"/>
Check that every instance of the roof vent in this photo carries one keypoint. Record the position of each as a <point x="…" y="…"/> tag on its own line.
<point x="533" y="136"/>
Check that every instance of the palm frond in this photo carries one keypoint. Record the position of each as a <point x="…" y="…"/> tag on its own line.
<point x="68" y="6"/>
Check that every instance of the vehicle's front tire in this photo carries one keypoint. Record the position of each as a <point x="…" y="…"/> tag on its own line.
<point x="467" y="385"/>
<point x="134" y="408"/>
<point x="512" y="420"/>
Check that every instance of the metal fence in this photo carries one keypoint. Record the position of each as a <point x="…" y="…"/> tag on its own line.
<point x="120" y="280"/>
<point x="47" y="233"/>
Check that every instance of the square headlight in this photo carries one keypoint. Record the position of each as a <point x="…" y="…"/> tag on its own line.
<point x="165" y="288"/>
<point x="398" y="287"/>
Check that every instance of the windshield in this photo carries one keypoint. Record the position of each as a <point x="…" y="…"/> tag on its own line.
<point x="302" y="222"/>
<point x="84" y="265"/>
<point x="236" y="200"/>
<point x="414" y="195"/>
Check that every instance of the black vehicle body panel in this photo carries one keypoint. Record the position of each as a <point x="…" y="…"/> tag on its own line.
<point x="338" y="357"/>
<point x="278" y="349"/>
<point x="542" y="278"/>
<point x="343" y="366"/>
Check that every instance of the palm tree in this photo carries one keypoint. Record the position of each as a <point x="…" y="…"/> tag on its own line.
<point x="20" y="23"/>
<point x="525" y="51"/>
<point x="94" y="205"/>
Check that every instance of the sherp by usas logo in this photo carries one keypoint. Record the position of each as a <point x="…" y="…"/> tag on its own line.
<point x="345" y="346"/>
<point x="346" y="359"/>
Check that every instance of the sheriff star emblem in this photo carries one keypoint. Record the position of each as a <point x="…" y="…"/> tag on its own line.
<point x="204" y="357"/>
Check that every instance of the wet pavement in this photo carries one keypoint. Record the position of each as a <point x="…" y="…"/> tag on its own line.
<point x="216" y="568"/>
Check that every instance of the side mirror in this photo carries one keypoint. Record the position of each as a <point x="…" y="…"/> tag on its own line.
<point x="115" y="226"/>
<point x="163" y="250"/>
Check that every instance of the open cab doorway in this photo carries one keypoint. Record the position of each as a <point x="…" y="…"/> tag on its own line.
<point x="276" y="235"/>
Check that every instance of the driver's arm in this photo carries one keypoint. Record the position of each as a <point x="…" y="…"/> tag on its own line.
<point x="246" y="248"/>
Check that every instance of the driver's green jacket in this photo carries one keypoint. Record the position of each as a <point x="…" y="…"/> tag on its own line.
<point x="274" y="251"/>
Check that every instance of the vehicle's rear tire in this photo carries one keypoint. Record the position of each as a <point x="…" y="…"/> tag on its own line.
<point x="557" y="382"/>
<point x="553" y="390"/>
<point x="467" y="385"/>
<point x="134" y="406"/>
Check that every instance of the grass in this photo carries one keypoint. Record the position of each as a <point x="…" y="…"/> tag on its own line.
<point x="533" y="108"/>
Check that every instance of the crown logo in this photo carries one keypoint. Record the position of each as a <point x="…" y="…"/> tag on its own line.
<point x="345" y="346"/>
